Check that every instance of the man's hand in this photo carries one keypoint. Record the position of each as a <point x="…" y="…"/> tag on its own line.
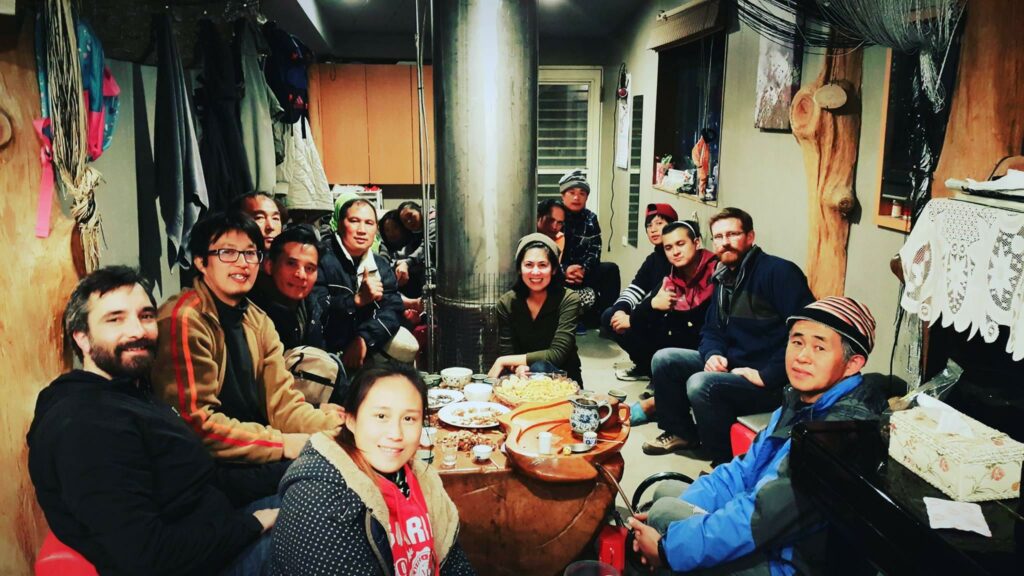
<point x="267" y="517"/>
<point x="411" y="316"/>
<point x="645" y="541"/>
<point x="333" y="409"/>
<point x="716" y="363"/>
<point x="293" y="444"/>
<point x="371" y="290"/>
<point x="574" y="274"/>
<point x="402" y="272"/>
<point x="620" y="322"/>
<point x="354" y="354"/>
<point x="752" y="376"/>
<point x="665" y="299"/>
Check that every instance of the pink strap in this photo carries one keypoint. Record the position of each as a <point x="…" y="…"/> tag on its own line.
<point x="45" y="206"/>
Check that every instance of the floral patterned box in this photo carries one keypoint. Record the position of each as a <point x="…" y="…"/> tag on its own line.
<point x="986" y="467"/>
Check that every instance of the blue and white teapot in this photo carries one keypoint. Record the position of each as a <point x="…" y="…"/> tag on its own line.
<point x="586" y="414"/>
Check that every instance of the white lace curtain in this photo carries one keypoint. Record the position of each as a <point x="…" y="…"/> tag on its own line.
<point x="963" y="265"/>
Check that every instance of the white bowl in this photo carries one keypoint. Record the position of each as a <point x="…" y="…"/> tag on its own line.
<point x="482" y="452"/>
<point x="456" y="377"/>
<point x="477" y="392"/>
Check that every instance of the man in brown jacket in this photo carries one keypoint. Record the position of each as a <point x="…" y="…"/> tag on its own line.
<point x="219" y="361"/>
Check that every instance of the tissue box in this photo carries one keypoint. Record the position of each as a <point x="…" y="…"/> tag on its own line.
<point x="986" y="467"/>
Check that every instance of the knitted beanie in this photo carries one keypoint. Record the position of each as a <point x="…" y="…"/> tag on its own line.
<point x="537" y="237"/>
<point x="573" y="179"/>
<point x="849" y="318"/>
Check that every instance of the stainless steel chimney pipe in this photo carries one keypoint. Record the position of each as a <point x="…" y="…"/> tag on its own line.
<point x="485" y="110"/>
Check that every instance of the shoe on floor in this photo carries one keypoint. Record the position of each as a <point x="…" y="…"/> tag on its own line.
<point x="581" y="329"/>
<point x="648" y="393"/>
<point x="666" y="444"/>
<point x="631" y="374"/>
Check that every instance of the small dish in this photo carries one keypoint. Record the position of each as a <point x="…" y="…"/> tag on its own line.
<point x="482" y="452"/>
<point x="478" y="392"/>
<point x="580" y="448"/>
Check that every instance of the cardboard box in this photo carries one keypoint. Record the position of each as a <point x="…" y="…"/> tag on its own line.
<point x="985" y="467"/>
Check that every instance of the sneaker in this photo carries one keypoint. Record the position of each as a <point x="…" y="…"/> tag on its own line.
<point x="631" y="374"/>
<point x="666" y="444"/>
<point x="581" y="329"/>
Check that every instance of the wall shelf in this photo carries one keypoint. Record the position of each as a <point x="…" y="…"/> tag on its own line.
<point x="690" y="197"/>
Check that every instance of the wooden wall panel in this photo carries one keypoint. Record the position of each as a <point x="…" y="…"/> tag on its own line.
<point x="389" y="108"/>
<point x="986" y="120"/>
<point x="343" y="123"/>
<point x="37" y="280"/>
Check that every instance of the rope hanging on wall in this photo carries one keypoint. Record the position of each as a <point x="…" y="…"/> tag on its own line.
<point x="68" y="123"/>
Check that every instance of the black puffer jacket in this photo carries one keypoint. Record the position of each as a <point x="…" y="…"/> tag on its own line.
<point x="333" y="518"/>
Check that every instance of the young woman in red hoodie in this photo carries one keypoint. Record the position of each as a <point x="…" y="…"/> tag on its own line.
<point x="361" y="504"/>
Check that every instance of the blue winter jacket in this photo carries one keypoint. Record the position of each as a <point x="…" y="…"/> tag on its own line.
<point x="749" y="328"/>
<point x="750" y="502"/>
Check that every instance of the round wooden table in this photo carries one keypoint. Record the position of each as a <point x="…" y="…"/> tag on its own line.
<point x="515" y="524"/>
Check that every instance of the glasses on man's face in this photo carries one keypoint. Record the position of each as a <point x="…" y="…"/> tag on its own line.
<point x="230" y="255"/>
<point x="730" y="235"/>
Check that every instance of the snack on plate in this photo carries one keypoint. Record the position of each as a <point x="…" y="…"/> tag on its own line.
<point x="437" y="399"/>
<point x="466" y="439"/>
<point x="476" y="416"/>
<point x="515" y="390"/>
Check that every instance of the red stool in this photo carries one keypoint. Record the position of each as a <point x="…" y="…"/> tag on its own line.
<point x="58" y="559"/>
<point x="743" y="431"/>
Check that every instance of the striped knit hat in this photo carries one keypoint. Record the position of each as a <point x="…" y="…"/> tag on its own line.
<point x="573" y="179"/>
<point x="849" y="318"/>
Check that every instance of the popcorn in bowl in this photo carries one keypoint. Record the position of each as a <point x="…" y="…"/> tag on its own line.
<point x="514" y="390"/>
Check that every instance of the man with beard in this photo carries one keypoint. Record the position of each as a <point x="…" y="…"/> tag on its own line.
<point x="220" y="362"/>
<point x="119" y="476"/>
<point x="739" y="367"/>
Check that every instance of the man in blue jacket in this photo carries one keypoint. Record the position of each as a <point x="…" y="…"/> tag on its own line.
<point x="745" y="517"/>
<point x="738" y="368"/>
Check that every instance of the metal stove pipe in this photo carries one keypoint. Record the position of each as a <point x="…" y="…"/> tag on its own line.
<point x="485" y="110"/>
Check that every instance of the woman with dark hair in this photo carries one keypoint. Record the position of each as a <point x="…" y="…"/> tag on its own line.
<point x="537" y="317"/>
<point x="362" y="504"/>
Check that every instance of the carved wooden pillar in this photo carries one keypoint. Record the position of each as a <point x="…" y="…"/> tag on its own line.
<point x="826" y="122"/>
<point x="38" y="276"/>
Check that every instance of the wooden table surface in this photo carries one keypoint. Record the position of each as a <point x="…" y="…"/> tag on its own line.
<point x="513" y="524"/>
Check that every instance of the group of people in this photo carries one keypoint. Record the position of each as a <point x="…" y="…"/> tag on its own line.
<point x="167" y="452"/>
<point x="183" y="439"/>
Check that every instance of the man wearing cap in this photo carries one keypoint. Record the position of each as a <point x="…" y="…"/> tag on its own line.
<point x="581" y="260"/>
<point x="738" y="368"/>
<point x="616" y="319"/>
<point x="746" y="516"/>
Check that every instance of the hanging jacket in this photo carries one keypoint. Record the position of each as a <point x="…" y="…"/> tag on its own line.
<point x="751" y="505"/>
<point x="258" y="107"/>
<point x="179" y="178"/>
<point x="334" y="520"/>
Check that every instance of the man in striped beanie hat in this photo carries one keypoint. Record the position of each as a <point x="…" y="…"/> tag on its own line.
<point x="719" y="521"/>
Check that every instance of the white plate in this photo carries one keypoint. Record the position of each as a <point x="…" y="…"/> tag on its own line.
<point x="460" y="413"/>
<point x="439" y="398"/>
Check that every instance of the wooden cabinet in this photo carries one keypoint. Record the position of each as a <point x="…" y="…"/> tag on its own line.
<point x="365" y="121"/>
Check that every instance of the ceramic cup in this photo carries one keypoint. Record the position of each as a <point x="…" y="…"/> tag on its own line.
<point x="482" y="452"/>
<point x="478" y="392"/>
<point x="617" y="394"/>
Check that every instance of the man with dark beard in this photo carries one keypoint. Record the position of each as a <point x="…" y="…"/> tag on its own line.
<point x="119" y="476"/>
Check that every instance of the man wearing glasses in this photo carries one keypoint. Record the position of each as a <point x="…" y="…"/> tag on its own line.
<point x="739" y="367"/>
<point x="219" y="361"/>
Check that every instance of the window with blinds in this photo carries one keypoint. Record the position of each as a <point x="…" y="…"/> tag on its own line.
<point x="635" y="220"/>
<point x="568" y="124"/>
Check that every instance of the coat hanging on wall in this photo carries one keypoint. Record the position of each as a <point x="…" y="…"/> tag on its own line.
<point x="258" y="106"/>
<point x="179" y="173"/>
<point x="217" y="100"/>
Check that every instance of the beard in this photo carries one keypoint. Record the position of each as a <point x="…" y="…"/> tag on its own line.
<point x="110" y="360"/>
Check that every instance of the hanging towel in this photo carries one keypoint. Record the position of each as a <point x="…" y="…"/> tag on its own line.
<point x="180" y="184"/>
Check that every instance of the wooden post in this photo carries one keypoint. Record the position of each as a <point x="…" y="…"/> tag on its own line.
<point x="825" y="118"/>
<point x="38" y="277"/>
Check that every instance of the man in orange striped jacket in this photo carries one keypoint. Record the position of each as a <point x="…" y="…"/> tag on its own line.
<point x="219" y="362"/>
